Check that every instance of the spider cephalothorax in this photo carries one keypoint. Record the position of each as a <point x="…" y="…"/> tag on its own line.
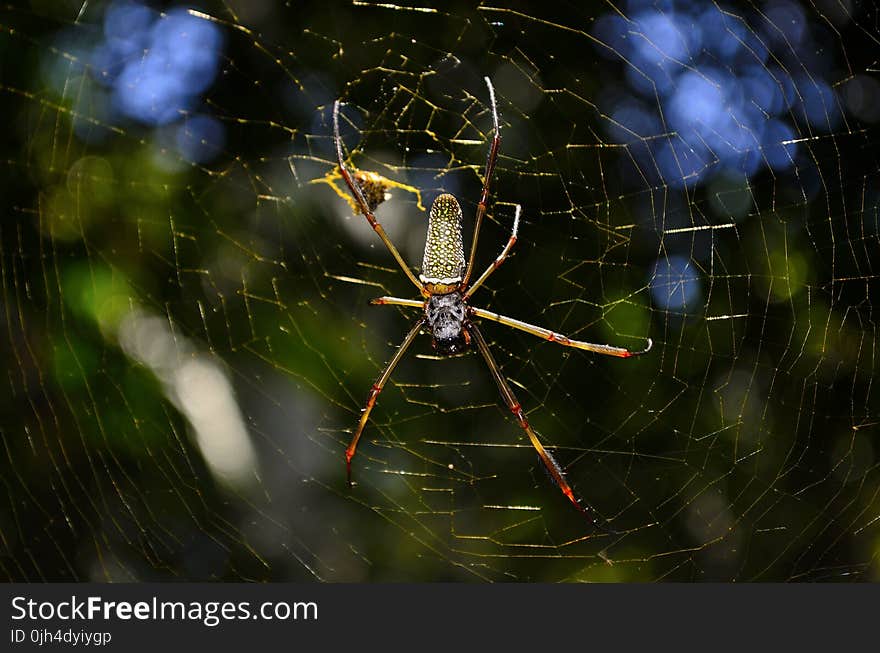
<point x="445" y="316"/>
<point x="446" y="288"/>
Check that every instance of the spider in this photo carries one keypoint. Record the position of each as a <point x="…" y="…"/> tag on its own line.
<point x="446" y="289"/>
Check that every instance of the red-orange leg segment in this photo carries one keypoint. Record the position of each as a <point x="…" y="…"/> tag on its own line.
<point x="550" y="463"/>
<point x="552" y="336"/>
<point x="374" y="393"/>
<point x="487" y="179"/>
<point x="397" y="301"/>
<point x="358" y="195"/>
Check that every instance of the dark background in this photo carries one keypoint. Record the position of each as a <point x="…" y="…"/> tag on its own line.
<point x="178" y="279"/>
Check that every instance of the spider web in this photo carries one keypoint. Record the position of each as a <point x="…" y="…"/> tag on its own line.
<point x="188" y="340"/>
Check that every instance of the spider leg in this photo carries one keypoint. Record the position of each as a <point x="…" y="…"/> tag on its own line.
<point x="498" y="261"/>
<point x="552" y="336"/>
<point x="397" y="301"/>
<point x="358" y="195"/>
<point x="487" y="179"/>
<point x="374" y="393"/>
<point x="550" y="463"/>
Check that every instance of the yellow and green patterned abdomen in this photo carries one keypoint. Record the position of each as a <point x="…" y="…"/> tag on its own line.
<point x="443" y="264"/>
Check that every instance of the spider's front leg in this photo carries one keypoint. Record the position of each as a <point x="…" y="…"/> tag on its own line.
<point x="397" y="301"/>
<point x="374" y="394"/>
<point x="362" y="203"/>
<point x="511" y="241"/>
<point x="491" y="159"/>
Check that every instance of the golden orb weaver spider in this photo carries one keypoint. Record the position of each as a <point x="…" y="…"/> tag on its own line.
<point x="444" y="284"/>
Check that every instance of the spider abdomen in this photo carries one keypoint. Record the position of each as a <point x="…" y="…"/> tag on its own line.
<point x="443" y="263"/>
<point x="446" y="315"/>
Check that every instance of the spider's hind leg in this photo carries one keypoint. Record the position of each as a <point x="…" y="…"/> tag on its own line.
<point x="553" y="468"/>
<point x="374" y="394"/>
